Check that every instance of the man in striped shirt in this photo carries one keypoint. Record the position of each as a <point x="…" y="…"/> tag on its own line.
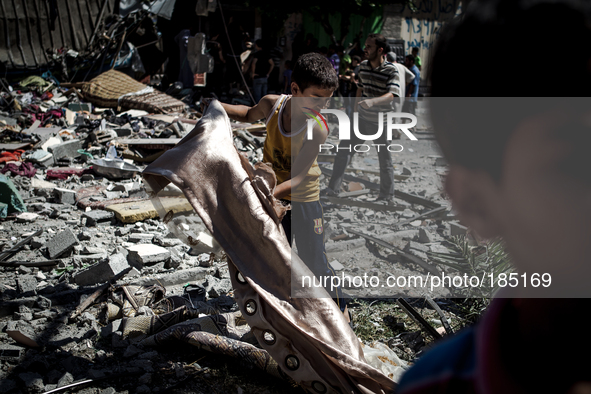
<point x="379" y="85"/>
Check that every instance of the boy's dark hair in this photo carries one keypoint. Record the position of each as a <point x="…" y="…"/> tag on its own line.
<point x="415" y="49"/>
<point x="260" y="43"/>
<point x="411" y="58"/>
<point x="474" y="133"/>
<point x="356" y="57"/>
<point x="313" y="69"/>
<point x="380" y="41"/>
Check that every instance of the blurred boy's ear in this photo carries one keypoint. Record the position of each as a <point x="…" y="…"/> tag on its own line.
<point x="474" y="195"/>
<point x="295" y="89"/>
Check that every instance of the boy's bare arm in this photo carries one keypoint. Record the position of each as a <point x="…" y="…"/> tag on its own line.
<point x="303" y="162"/>
<point x="243" y="113"/>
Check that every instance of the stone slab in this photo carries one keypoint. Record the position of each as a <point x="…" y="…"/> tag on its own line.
<point x="66" y="149"/>
<point x="61" y="243"/>
<point x="146" y="254"/>
<point x="95" y="217"/>
<point x="103" y="271"/>
<point x="133" y="212"/>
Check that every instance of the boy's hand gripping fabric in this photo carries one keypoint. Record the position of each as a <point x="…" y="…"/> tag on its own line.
<point x="308" y="337"/>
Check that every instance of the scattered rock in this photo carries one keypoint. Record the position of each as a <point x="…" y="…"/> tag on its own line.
<point x="93" y="218"/>
<point x="424" y="236"/>
<point x="63" y="242"/>
<point x="146" y="254"/>
<point x="65" y="196"/>
<point x="102" y="271"/>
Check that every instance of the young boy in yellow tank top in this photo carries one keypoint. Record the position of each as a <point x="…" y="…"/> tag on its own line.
<point x="293" y="157"/>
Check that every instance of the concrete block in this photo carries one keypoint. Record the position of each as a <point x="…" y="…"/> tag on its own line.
<point x="65" y="196"/>
<point x="424" y="236"/>
<point x="92" y="250"/>
<point x="146" y="254"/>
<point x="26" y="283"/>
<point x="67" y="149"/>
<point x="140" y="237"/>
<point x="52" y="141"/>
<point x="41" y="184"/>
<point x="61" y="243"/>
<point x="97" y="216"/>
<point x="22" y="332"/>
<point x="457" y="229"/>
<point x="217" y="287"/>
<point x="103" y="271"/>
<point x="206" y="244"/>
<point x="336" y="265"/>
<point x="91" y="258"/>
<point x="137" y="211"/>
<point x="26" y="217"/>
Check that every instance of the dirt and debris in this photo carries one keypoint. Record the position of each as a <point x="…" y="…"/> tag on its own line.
<point x="77" y="228"/>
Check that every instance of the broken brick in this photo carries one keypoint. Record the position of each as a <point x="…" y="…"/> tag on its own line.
<point x="61" y="243"/>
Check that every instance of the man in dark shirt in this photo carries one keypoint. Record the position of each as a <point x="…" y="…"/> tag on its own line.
<point x="260" y="69"/>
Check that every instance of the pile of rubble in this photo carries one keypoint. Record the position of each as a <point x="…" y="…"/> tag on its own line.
<point x="78" y="228"/>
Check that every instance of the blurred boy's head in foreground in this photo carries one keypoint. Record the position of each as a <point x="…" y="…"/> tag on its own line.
<point x="518" y="152"/>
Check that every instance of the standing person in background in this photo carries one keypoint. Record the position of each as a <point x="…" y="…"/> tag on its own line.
<point x="287" y="78"/>
<point x="418" y="62"/>
<point x="333" y="57"/>
<point x="186" y="76"/>
<point x="276" y="55"/>
<point x="217" y="76"/>
<point x="405" y="73"/>
<point x="379" y="85"/>
<point x="412" y="89"/>
<point x="260" y="69"/>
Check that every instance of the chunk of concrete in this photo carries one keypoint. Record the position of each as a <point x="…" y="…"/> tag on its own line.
<point x="424" y="236"/>
<point x="457" y="229"/>
<point x="102" y="271"/>
<point x="336" y="265"/>
<point x="217" y="287"/>
<point x="66" y="149"/>
<point x="22" y="332"/>
<point x="146" y="254"/>
<point x="26" y="217"/>
<point x="63" y="242"/>
<point x="65" y="196"/>
<point x="41" y="184"/>
<point x="132" y="212"/>
<point x="95" y="217"/>
<point x="26" y="283"/>
<point x="140" y="237"/>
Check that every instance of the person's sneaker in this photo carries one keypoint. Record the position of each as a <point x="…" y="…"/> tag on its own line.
<point x="328" y="192"/>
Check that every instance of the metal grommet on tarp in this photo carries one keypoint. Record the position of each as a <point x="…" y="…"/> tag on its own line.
<point x="240" y="278"/>
<point x="292" y="363"/>
<point x="319" y="387"/>
<point x="250" y="307"/>
<point x="269" y="337"/>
